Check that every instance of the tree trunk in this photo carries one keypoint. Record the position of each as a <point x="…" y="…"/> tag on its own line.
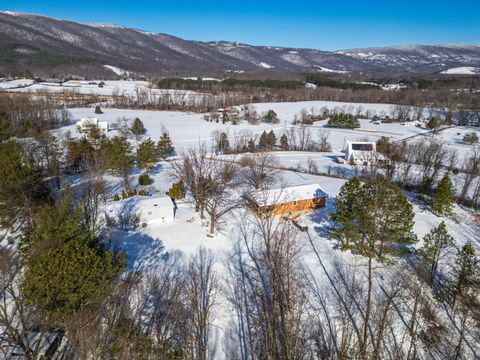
<point x="367" y="309"/>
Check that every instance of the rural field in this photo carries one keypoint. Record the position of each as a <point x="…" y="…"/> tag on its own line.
<point x="239" y="181"/>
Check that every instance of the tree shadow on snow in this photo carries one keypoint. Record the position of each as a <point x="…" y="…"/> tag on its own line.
<point x="143" y="252"/>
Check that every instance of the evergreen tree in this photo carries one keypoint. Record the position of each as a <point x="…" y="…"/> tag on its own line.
<point x="145" y="180"/>
<point x="147" y="153"/>
<point x="251" y="145"/>
<point x="348" y="205"/>
<point x="374" y="220"/>
<point x="164" y="145"/>
<point x="272" y="139"/>
<point x="435" y="243"/>
<point x="263" y="142"/>
<point x="271" y="117"/>
<point x="223" y="145"/>
<point x="137" y="127"/>
<point x="466" y="273"/>
<point x="177" y="191"/>
<point x="74" y="277"/>
<point x="98" y="110"/>
<point x="119" y="153"/>
<point x="444" y="196"/>
<point x="52" y="227"/>
<point x="284" y="143"/>
<point x="21" y="185"/>
<point x="225" y="117"/>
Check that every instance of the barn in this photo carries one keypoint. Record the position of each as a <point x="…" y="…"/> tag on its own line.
<point x="290" y="201"/>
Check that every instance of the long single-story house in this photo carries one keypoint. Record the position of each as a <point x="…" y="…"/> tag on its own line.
<point x="86" y="124"/>
<point x="361" y="152"/>
<point x="289" y="201"/>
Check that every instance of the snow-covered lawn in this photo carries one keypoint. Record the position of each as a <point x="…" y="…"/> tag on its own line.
<point x="109" y="87"/>
<point x="16" y="84"/>
<point x="188" y="129"/>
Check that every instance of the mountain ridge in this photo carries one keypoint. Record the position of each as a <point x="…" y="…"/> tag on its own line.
<point x="62" y="47"/>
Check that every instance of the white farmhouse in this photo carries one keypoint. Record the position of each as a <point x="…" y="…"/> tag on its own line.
<point x="86" y="124"/>
<point x="361" y="152"/>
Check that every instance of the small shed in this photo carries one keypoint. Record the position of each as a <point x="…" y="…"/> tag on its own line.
<point x="290" y="200"/>
<point x="156" y="210"/>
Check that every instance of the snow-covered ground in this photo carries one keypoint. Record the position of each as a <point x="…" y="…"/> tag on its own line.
<point x="108" y="88"/>
<point x="15" y="84"/>
<point x="463" y="70"/>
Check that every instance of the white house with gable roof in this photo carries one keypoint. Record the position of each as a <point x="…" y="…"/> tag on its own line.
<point x="86" y="124"/>
<point x="361" y="152"/>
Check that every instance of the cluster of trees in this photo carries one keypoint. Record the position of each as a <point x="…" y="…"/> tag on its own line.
<point x="298" y="138"/>
<point x="22" y="116"/>
<point x="421" y="164"/>
<point x="343" y="121"/>
<point x="117" y="154"/>
<point x="375" y="220"/>
<point x="323" y="80"/>
<point x="227" y="84"/>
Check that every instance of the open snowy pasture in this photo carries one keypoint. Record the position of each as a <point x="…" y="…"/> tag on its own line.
<point x="93" y="87"/>
<point x="188" y="129"/>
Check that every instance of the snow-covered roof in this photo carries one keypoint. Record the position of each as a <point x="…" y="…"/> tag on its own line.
<point x="288" y="194"/>
<point x="88" y="122"/>
<point x="140" y="204"/>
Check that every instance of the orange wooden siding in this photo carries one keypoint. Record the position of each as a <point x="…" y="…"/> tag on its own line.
<point x="294" y="206"/>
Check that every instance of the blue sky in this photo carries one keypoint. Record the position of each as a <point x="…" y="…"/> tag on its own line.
<point x="328" y="25"/>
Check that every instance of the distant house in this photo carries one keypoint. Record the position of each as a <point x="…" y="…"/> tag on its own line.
<point x="86" y="124"/>
<point x="361" y="152"/>
<point x="289" y="201"/>
<point x="137" y="210"/>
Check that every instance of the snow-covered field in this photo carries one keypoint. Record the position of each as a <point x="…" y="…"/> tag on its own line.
<point x="463" y="70"/>
<point x="109" y="87"/>
<point x="188" y="129"/>
<point x="15" y="84"/>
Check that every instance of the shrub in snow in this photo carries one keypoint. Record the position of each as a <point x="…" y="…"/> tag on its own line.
<point x="145" y="179"/>
<point x="116" y="197"/>
<point x="98" y="110"/>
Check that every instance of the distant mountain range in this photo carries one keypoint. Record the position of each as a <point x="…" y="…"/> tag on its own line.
<point x="53" y="47"/>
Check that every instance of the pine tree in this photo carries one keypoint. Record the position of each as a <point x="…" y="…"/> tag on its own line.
<point x="374" y="220"/>
<point x="164" y="146"/>
<point x="347" y="206"/>
<point x="466" y="273"/>
<point x="272" y="139"/>
<point x="177" y="191"/>
<point x="263" y="142"/>
<point x="223" y="145"/>
<point x="225" y="117"/>
<point x="98" y="110"/>
<point x="137" y="127"/>
<point x="62" y="281"/>
<point x="147" y="153"/>
<point x="435" y="243"/>
<point x="284" y="143"/>
<point x="444" y="196"/>
<point x="251" y="145"/>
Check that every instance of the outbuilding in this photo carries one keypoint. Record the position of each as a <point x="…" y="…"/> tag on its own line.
<point x="289" y="201"/>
